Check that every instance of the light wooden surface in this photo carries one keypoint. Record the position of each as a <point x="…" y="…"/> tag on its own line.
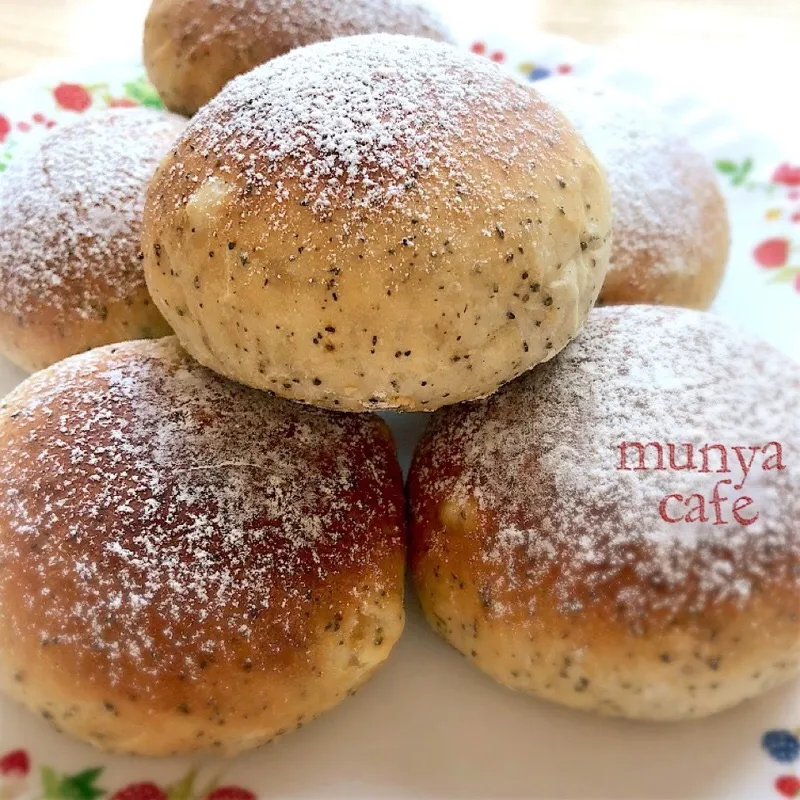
<point x="707" y="31"/>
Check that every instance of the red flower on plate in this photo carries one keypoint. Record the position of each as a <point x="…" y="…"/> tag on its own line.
<point x="5" y="127"/>
<point x="772" y="253"/>
<point x="72" y="97"/>
<point x="787" y="175"/>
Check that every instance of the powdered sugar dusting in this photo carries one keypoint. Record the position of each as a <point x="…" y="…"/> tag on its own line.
<point x="299" y="22"/>
<point x="659" y="183"/>
<point x="169" y="505"/>
<point x="70" y="212"/>
<point x="380" y="123"/>
<point x="542" y="459"/>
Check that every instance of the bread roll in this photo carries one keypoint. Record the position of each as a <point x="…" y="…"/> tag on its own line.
<point x="186" y="563"/>
<point x="411" y="234"/>
<point x="671" y="232"/>
<point x="70" y="223"/>
<point x="192" y="48"/>
<point x="548" y="553"/>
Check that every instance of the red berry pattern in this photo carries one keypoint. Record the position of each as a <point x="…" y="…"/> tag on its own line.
<point x="5" y="128"/>
<point x="16" y="763"/>
<point x="772" y="253"/>
<point x="72" y="97"/>
<point x="788" y="785"/>
<point x="15" y="766"/>
<point x="775" y="253"/>
<point x="140" y="791"/>
<point x="780" y="744"/>
<point x="230" y="793"/>
<point x="787" y="175"/>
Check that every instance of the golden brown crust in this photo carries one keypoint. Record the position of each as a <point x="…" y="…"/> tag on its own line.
<point x="371" y="242"/>
<point x="180" y="549"/>
<point x="70" y="209"/>
<point x="230" y="704"/>
<point x="589" y="660"/>
<point x="671" y="230"/>
<point x="44" y="336"/>
<point x="534" y="553"/>
<point x="192" y="48"/>
<point x="700" y="254"/>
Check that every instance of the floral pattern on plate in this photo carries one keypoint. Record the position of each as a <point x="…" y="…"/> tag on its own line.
<point x="778" y="255"/>
<point x="58" y="103"/>
<point x="18" y="782"/>
<point x="783" y="746"/>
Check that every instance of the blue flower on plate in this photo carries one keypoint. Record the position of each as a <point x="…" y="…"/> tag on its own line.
<point x="782" y="745"/>
<point x="537" y="73"/>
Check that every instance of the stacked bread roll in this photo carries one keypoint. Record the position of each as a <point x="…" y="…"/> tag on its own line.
<point x="589" y="535"/>
<point x="70" y="253"/>
<point x="369" y="242"/>
<point x="192" y="48"/>
<point x="203" y="551"/>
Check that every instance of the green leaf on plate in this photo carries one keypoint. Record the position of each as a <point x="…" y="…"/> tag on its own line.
<point x="143" y="93"/>
<point x="726" y="167"/>
<point x="83" y="784"/>
<point x="50" y="782"/>
<point x="785" y="275"/>
<point x="184" y="789"/>
<point x="80" y="786"/>
<point x="742" y="171"/>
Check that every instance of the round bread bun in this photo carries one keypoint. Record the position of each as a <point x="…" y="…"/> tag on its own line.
<point x="542" y="555"/>
<point x="192" y="48"/>
<point x="671" y="233"/>
<point x="70" y="252"/>
<point x="187" y="563"/>
<point x="411" y="234"/>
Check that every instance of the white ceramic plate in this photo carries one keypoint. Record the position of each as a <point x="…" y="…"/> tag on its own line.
<point x="429" y="724"/>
